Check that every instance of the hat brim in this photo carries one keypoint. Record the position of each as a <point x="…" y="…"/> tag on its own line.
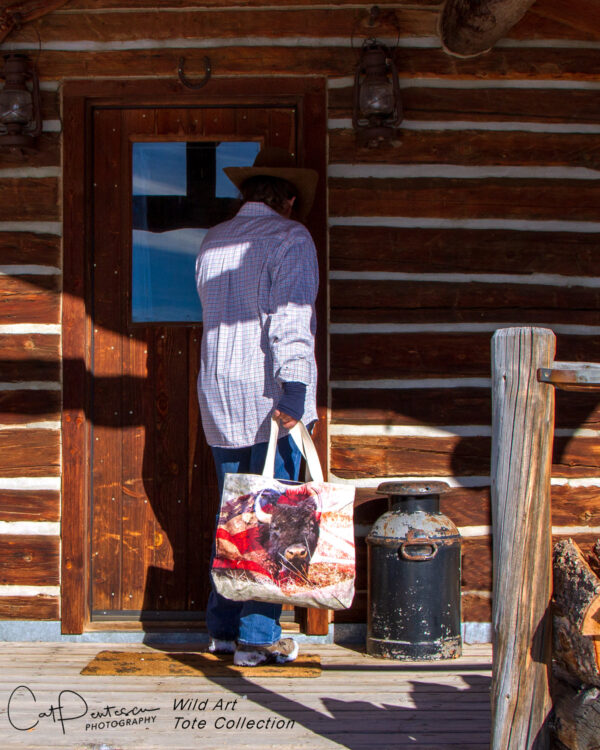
<point x="304" y="180"/>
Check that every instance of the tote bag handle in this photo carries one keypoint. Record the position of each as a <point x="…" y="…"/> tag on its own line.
<point x="301" y="436"/>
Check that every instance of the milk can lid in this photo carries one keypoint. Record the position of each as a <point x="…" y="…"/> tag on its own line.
<point x="413" y="489"/>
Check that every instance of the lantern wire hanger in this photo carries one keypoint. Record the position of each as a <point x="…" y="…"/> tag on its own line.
<point x="377" y="106"/>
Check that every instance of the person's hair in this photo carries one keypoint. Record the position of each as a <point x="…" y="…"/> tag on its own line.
<point x="273" y="191"/>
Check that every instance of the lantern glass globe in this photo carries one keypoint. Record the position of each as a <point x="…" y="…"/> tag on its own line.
<point x="16" y="107"/>
<point x="376" y="98"/>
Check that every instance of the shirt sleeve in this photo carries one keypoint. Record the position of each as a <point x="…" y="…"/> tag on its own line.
<point x="292" y="319"/>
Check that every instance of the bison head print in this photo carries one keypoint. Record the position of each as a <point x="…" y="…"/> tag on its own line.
<point x="289" y="533"/>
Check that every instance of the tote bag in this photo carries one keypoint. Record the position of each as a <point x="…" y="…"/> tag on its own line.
<point x="286" y="542"/>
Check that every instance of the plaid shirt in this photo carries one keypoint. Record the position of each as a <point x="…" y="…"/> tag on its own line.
<point x="257" y="278"/>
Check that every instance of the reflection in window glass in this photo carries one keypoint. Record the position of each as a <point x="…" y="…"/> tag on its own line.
<point x="179" y="190"/>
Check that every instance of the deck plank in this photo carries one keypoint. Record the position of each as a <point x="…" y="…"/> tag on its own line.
<point x="357" y="702"/>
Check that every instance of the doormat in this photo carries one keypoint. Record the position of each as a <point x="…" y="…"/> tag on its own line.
<point x="186" y="664"/>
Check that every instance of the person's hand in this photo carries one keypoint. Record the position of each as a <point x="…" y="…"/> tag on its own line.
<point x="284" y="419"/>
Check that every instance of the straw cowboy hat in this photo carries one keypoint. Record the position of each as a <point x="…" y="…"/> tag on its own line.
<point x="277" y="162"/>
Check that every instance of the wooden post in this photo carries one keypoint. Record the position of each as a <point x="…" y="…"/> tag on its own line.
<point x="523" y="425"/>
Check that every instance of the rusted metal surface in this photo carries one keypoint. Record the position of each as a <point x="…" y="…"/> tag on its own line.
<point x="414" y="576"/>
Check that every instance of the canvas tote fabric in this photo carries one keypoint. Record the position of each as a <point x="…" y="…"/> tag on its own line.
<point x="286" y="542"/>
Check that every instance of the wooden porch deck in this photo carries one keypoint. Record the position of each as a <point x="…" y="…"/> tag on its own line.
<point x="357" y="702"/>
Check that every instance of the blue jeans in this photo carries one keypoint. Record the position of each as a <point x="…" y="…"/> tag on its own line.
<point x="250" y="622"/>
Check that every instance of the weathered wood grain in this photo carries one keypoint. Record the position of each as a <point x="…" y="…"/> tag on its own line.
<point x="472" y="28"/>
<point x="470" y="148"/>
<point x="579" y="654"/>
<point x="355" y="457"/>
<point x="29" y="453"/>
<point x="23" y="407"/>
<point x="506" y="63"/>
<point x="576" y="721"/>
<point x="39" y="607"/>
<point x="443" y="104"/>
<point x="446" y="406"/>
<point x="29" y="505"/>
<point x="110" y="300"/>
<point x="46" y="154"/>
<point x="394" y="301"/>
<point x="470" y="506"/>
<point x="29" y="560"/>
<point x="18" y="248"/>
<point x="410" y="250"/>
<point x="581" y="16"/>
<point x="409" y="355"/>
<point x="270" y="22"/>
<point x="523" y="421"/>
<point x="76" y="328"/>
<point x="29" y="199"/>
<point x="29" y="299"/>
<point x="465" y="199"/>
<point x="29" y="357"/>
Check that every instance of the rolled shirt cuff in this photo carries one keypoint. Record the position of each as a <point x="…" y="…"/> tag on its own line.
<point x="292" y="401"/>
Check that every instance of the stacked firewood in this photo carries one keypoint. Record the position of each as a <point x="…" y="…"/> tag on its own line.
<point x="576" y="646"/>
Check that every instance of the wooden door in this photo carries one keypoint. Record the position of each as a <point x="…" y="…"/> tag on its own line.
<point x="153" y="488"/>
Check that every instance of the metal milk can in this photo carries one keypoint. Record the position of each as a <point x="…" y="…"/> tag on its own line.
<point x="414" y="553"/>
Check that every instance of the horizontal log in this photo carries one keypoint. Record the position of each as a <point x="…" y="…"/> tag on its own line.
<point x="412" y="21"/>
<point x="410" y="250"/>
<point x="470" y="148"/>
<point x="429" y="355"/>
<point x="502" y="63"/>
<point x="29" y="299"/>
<point x="39" y="607"/>
<point x="356" y="301"/>
<point x="29" y="357"/>
<point x="29" y="560"/>
<point x="476" y="607"/>
<point x="29" y="199"/>
<point x="126" y="4"/>
<point x="470" y="506"/>
<point x="484" y="104"/>
<point x="22" y="407"/>
<point x="29" y="453"/>
<point x="355" y="457"/>
<point x="46" y="153"/>
<point x="29" y="505"/>
<point x="270" y="22"/>
<point x="24" y="248"/>
<point x="466" y="199"/>
<point x="446" y="406"/>
<point x="429" y="406"/>
<point x="581" y="16"/>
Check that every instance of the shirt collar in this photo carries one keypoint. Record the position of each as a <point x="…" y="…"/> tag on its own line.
<point x="256" y="208"/>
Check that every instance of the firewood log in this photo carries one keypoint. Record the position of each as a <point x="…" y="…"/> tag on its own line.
<point x="579" y="654"/>
<point x="576" y="588"/>
<point x="576" y="720"/>
<point x="470" y="27"/>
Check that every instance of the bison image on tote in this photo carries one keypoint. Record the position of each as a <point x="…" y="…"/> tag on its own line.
<point x="284" y="542"/>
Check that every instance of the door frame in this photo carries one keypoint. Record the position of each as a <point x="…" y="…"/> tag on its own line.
<point x="80" y="97"/>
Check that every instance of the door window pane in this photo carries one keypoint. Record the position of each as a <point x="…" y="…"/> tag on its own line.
<point x="179" y="190"/>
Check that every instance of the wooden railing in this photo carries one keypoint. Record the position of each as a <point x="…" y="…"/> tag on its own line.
<point x="524" y="375"/>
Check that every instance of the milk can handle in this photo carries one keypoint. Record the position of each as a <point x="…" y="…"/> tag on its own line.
<point x="407" y="555"/>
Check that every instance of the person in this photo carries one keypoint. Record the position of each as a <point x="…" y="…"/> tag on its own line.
<point x="257" y="278"/>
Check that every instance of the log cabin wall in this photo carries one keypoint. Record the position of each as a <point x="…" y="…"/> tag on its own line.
<point x="483" y="214"/>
